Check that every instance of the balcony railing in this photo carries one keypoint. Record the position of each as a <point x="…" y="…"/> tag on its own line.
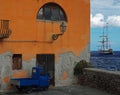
<point x="4" y="29"/>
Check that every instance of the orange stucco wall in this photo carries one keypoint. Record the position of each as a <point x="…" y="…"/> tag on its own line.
<point x="31" y="36"/>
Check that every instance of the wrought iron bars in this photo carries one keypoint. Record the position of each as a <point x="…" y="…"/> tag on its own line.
<point x="4" y="29"/>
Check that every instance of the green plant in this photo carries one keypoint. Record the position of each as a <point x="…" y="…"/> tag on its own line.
<point x="78" y="69"/>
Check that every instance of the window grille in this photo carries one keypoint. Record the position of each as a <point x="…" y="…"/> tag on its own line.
<point x="4" y="29"/>
<point x="17" y="61"/>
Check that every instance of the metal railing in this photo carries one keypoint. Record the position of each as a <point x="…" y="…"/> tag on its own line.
<point x="4" y="29"/>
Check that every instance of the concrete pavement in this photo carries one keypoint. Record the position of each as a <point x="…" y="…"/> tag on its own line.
<point x="67" y="90"/>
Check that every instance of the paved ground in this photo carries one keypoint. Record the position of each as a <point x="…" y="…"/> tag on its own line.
<point x="71" y="90"/>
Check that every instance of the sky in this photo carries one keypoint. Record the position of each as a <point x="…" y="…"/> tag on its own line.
<point x="102" y="12"/>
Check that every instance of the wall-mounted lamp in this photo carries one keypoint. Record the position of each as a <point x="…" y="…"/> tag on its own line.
<point x="62" y="30"/>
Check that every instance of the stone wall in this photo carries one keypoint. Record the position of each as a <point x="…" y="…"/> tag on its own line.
<point x="103" y="79"/>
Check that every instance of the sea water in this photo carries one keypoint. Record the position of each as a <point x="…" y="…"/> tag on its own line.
<point x="108" y="62"/>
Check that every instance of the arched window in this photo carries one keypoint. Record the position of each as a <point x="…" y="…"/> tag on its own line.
<point x="51" y="12"/>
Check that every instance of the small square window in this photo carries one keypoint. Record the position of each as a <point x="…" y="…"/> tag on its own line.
<point x="17" y="61"/>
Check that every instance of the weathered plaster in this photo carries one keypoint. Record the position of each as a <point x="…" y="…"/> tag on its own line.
<point x="65" y="66"/>
<point x="5" y="70"/>
<point x="63" y="70"/>
<point x="28" y="66"/>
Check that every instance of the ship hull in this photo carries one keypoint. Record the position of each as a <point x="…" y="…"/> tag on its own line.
<point x="106" y="52"/>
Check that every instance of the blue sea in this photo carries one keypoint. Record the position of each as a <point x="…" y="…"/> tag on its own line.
<point x="108" y="62"/>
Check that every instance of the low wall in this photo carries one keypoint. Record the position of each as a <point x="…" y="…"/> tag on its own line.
<point x="103" y="79"/>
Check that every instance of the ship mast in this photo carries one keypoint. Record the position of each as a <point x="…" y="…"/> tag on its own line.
<point x="105" y="44"/>
<point x="105" y="40"/>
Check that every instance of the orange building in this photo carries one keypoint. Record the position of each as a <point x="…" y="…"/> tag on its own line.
<point x="51" y="33"/>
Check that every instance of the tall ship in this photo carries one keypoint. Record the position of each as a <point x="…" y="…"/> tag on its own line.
<point x="105" y="48"/>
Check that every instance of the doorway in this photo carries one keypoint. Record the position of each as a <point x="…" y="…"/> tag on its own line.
<point x="48" y="62"/>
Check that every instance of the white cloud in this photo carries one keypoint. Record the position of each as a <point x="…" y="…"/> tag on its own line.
<point x="97" y="20"/>
<point x="114" y="21"/>
<point x="105" y="11"/>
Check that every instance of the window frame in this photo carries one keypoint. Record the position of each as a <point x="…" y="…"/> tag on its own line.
<point x="61" y="13"/>
<point x="17" y="61"/>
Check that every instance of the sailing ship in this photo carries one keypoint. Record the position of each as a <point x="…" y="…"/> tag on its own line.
<point x="104" y="47"/>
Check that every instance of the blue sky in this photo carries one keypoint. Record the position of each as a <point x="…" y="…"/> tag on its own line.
<point x="102" y="12"/>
